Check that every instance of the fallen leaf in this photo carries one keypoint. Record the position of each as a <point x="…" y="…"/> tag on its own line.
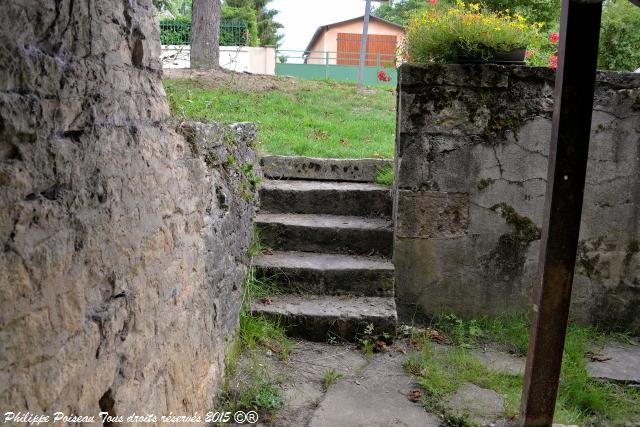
<point x="274" y="349"/>
<point x="344" y="142"/>
<point x="401" y="350"/>
<point x="436" y="336"/>
<point x="414" y="395"/>
<point x="597" y="357"/>
<point x="267" y="251"/>
<point x="266" y="301"/>
<point x="381" y="345"/>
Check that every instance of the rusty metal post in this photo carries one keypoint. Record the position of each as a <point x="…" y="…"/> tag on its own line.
<point x="574" y="90"/>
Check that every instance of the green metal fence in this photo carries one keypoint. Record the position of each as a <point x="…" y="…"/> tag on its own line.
<point x="325" y="65"/>
<point x="178" y="32"/>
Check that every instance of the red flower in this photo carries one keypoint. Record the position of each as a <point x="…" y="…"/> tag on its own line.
<point x="528" y="53"/>
<point x="554" y="38"/>
<point x="553" y="61"/>
<point x="433" y="2"/>
<point x="383" y="77"/>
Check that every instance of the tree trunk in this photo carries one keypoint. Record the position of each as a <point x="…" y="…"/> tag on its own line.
<point x="205" y="34"/>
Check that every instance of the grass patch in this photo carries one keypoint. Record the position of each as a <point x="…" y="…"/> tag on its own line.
<point x="581" y="400"/>
<point x="329" y="377"/>
<point x="250" y="379"/>
<point x="308" y="118"/>
<point x="385" y="176"/>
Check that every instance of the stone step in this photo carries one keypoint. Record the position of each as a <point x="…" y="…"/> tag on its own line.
<point x="327" y="274"/>
<point x="326" y="233"/>
<point x="356" y="170"/>
<point x="318" y="317"/>
<point x="325" y="197"/>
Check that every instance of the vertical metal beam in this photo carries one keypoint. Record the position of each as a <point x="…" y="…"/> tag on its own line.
<point x="574" y="90"/>
<point x="363" y="45"/>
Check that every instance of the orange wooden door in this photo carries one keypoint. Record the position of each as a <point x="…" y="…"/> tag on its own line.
<point x="381" y="49"/>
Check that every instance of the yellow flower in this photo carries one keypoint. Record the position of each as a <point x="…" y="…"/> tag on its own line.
<point x="474" y="6"/>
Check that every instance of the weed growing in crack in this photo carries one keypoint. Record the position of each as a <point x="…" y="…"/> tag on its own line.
<point x="251" y="382"/>
<point x="329" y="377"/>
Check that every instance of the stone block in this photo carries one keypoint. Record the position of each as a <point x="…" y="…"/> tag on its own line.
<point x="430" y="214"/>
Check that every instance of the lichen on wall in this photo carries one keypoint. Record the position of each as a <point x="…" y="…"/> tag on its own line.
<point x="480" y="133"/>
<point x="123" y="244"/>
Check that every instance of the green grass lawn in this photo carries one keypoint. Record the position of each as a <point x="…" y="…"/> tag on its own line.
<point x="295" y="117"/>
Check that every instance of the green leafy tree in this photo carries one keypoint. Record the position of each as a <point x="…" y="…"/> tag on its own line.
<point x="176" y="7"/>
<point x="401" y="11"/>
<point x="620" y="36"/>
<point x="267" y="26"/>
<point x="545" y="11"/>
<point x="244" y="14"/>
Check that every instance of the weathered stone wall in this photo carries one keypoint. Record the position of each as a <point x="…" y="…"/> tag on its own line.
<point x="471" y="161"/>
<point x="123" y="243"/>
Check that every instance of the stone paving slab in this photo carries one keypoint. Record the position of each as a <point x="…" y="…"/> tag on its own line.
<point x="619" y="363"/>
<point x="501" y="362"/>
<point x="482" y="405"/>
<point x="371" y="392"/>
<point x="376" y="398"/>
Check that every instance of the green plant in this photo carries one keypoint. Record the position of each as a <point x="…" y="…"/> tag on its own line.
<point x="257" y="389"/>
<point x="367" y="339"/>
<point x="385" y="176"/>
<point x="543" y="11"/>
<point x="245" y="15"/>
<point x="329" y="377"/>
<point x="620" y="38"/>
<point x="442" y="34"/>
<point x="332" y="339"/>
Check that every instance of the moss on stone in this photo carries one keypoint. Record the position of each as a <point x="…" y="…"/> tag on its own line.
<point x="525" y="229"/>
<point x="229" y="137"/>
<point x="499" y="124"/>
<point x="485" y="182"/>
<point x="588" y="264"/>
<point x="636" y="104"/>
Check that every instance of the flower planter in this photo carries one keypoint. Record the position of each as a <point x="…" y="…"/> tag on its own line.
<point x="514" y="56"/>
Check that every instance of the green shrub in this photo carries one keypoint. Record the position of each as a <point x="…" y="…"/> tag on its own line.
<point x="443" y="34"/>
<point x="620" y="36"/>
<point x="239" y="14"/>
<point x="238" y="27"/>
<point x="175" y="31"/>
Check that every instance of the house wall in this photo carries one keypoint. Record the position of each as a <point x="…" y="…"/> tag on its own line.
<point x="471" y="163"/>
<point x="329" y="41"/>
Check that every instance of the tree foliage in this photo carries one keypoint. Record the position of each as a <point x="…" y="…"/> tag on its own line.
<point x="620" y="36"/>
<point x="546" y="11"/>
<point x="175" y="7"/>
<point x="267" y="26"/>
<point x="400" y="12"/>
<point x="244" y="14"/>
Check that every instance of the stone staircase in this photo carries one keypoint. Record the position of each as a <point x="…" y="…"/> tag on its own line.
<point x="330" y="240"/>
